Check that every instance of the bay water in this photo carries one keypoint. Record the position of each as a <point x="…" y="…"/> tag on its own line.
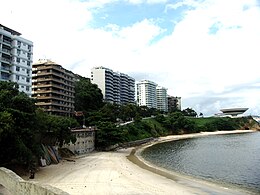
<point x="231" y="160"/>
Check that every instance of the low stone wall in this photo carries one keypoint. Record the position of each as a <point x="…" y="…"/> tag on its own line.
<point x="17" y="186"/>
<point x="137" y="142"/>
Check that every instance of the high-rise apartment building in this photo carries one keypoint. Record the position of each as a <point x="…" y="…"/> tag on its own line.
<point x="16" y="55"/>
<point x="116" y="87"/>
<point x="151" y="95"/>
<point x="146" y="94"/>
<point x="174" y="103"/>
<point x="53" y="87"/>
<point x="162" y="100"/>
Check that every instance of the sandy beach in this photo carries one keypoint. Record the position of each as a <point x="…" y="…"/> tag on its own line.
<point x="122" y="172"/>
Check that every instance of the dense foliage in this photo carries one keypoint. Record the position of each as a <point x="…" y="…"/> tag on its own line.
<point x="88" y="97"/>
<point x="23" y="127"/>
<point x="172" y="124"/>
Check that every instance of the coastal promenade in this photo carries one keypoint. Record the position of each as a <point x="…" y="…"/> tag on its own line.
<point x="113" y="173"/>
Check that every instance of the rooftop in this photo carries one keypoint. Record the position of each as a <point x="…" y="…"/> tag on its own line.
<point x="233" y="111"/>
<point x="13" y="32"/>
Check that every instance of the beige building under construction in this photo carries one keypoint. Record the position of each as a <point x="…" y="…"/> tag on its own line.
<point x="53" y="87"/>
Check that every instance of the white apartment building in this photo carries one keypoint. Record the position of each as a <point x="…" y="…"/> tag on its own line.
<point x="116" y="87"/>
<point x="146" y="94"/>
<point x="162" y="100"/>
<point x="16" y="54"/>
<point x="151" y="95"/>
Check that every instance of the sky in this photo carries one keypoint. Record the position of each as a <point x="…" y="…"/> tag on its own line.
<point x="204" y="51"/>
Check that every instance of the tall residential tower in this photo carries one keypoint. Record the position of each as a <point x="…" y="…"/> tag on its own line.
<point x="146" y="94"/>
<point x="162" y="100"/>
<point x="16" y="55"/>
<point x="151" y="95"/>
<point x="53" y="87"/>
<point x="116" y="87"/>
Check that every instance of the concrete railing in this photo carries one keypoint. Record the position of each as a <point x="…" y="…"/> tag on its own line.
<point x="17" y="186"/>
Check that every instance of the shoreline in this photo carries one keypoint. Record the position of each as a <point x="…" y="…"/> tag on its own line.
<point x="204" y="185"/>
<point x="114" y="173"/>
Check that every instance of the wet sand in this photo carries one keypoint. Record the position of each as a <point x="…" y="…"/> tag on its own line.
<point x="124" y="172"/>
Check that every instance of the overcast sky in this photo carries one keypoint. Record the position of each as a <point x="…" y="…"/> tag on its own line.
<point x="206" y="52"/>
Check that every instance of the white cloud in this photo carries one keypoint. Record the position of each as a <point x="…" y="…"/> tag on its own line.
<point x="191" y="62"/>
<point x="147" y="1"/>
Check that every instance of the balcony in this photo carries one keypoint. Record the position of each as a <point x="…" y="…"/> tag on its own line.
<point x="5" y="69"/>
<point x="7" y="41"/>
<point x="5" y="60"/>
<point x="41" y="67"/>
<point x="49" y="79"/>
<point x="50" y="104"/>
<point x="6" y="51"/>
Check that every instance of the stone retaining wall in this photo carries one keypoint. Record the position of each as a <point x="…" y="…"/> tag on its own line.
<point x="17" y="186"/>
<point x="137" y="142"/>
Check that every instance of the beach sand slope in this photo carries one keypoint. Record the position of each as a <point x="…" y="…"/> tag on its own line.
<point x="112" y="173"/>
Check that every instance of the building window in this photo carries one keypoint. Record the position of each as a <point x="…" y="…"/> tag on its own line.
<point x="27" y="88"/>
<point x="17" y="68"/>
<point x="18" y="52"/>
<point x="19" y="43"/>
<point x="29" y="47"/>
<point x="18" y="60"/>
<point x="17" y="77"/>
<point x="27" y="80"/>
<point x="28" y="63"/>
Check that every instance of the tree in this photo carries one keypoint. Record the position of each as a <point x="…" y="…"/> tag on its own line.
<point x="7" y="91"/>
<point x="23" y="126"/>
<point x="6" y="122"/>
<point x="108" y="134"/>
<point x="88" y="97"/>
<point x="17" y="122"/>
<point x="127" y="112"/>
<point x="60" y="128"/>
<point x="177" y="122"/>
<point x="189" y="112"/>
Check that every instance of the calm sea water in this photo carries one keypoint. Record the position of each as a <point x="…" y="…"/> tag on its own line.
<point x="229" y="160"/>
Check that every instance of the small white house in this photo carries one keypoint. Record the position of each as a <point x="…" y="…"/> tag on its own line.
<point x="85" y="142"/>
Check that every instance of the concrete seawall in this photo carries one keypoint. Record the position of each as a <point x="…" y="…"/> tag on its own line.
<point x="17" y="186"/>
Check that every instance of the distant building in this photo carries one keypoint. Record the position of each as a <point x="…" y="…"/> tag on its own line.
<point x="116" y="87"/>
<point x="233" y="112"/>
<point x="85" y="140"/>
<point x="151" y="95"/>
<point x="174" y="103"/>
<point x="146" y="94"/>
<point x="162" y="100"/>
<point x="53" y="87"/>
<point x="16" y="55"/>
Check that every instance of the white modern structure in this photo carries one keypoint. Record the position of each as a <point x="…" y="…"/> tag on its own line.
<point x="116" y="87"/>
<point x="233" y="111"/>
<point x="16" y="54"/>
<point x="161" y="97"/>
<point x="146" y="94"/>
